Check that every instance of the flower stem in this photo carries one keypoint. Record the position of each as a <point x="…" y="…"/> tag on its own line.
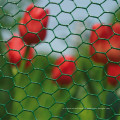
<point x="17" y="92"/>
<point x="90" y="86"/>
<point x="23" y="63"/>
<point x="104" y="96"/>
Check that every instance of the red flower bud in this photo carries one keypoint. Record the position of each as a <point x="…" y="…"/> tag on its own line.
<point x="105" y="43"/>
<point x="114" y="72"/>
<point x="33" y="24"/>
<point x="16" y="49"/>
<point x="65" y="68"/>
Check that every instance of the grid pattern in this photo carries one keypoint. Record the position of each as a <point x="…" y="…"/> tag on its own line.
<point x="27" y="90"/>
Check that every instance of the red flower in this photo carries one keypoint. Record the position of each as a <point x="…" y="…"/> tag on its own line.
<point x="114" y="72"/>
<point x="66" y="68"/>
<point x="105" y="43"/>
<point x="35" y="20"/>
<point x="16" y="49"/>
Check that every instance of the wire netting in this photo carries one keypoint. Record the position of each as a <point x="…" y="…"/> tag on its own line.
<point x="30" y="90"/>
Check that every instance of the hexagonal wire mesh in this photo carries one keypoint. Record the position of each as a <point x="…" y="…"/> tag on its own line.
<point x="83" y="83"/>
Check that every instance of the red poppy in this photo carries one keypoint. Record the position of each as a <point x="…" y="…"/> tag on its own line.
<point x="105" y="43"/>
<point x="16" y="50"/>
<point x="32" y="25"/>
<point x="66" y="68"/>
<point x="114" y="72"/>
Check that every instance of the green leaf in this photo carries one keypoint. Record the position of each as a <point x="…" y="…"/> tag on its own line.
<point x="34" y="84"/>
<point x="116" y="17"/>
<point x="114" y="108"/>
<point x="6" y="81"/>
